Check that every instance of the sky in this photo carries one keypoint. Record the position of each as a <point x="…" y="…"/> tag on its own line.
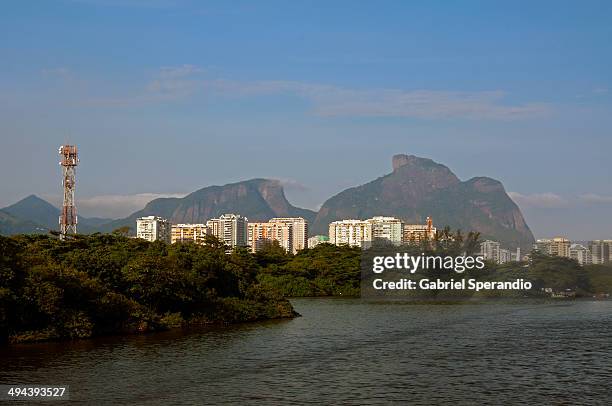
<point x="164" y="97"/>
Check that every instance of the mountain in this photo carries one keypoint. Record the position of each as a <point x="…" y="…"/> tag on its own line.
<point x="420" y="187"/>
<point x="35" y="210"/>
<point x="35" y="215"/>
<point x="256" y="199"/>
<point x="10" y="225"/>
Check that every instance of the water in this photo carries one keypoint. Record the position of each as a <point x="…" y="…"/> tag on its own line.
<point x="346" y="351"/>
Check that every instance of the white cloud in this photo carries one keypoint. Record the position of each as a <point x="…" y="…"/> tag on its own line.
<point x="113" y="206"/>
<point x="539" y="200"/>
<point x="595" y="198"/>
<point x="336" y="101"/>
<point x="130" y="3"/>
<point x="56" y="72"/>
<point x="291" y="184"/>
<point x="181" y="82"/>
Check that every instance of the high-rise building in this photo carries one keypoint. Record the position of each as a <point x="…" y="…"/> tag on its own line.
<point x="231" y="229"/>
<point x="490" y="251"/>
<point x="504" y="256"/>
<point x="260" y="234"/>
<point x="316" y="240"/>
<point x="517" y="256"/>
<point x="417" y="233"/>
<point x="153" y="228"/>
<point x="299" y="231"/>
<point x="189" y="233"/>
<point x="356" y="233"/>
<point x="580" y="253"/>
<point x="558" y="246"/>
<point x="601" y="251"/>
<point x="386" y="229"/>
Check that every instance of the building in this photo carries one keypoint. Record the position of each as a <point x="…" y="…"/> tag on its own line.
<point x="601" y="251"/>
<point x="260" y="234"/>
<point x="490" y="251"/>
<point x="299" y="230"/>
<point x="356" y="233"/>
<point x="417" y="233"/>
<point x="153" y="228"/>
<point x="316" y="240"/>
<point x="517" y="256"/>
<point x="504" y="256"/>
<point x="386" y="229"/>
<point x="189" y="233"/>
<point x="558" y="246"/>
<point x="580" y="253"/>
<point x="231" y="229"/>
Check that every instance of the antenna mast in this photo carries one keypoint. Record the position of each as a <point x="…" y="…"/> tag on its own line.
<point x="68" y="216"/>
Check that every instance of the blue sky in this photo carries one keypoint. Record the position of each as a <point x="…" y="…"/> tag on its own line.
<point x="164" y="97"/>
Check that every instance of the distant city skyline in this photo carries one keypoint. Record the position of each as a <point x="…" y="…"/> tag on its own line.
<point x="165" y="97"/>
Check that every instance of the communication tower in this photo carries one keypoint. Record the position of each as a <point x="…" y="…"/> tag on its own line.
<point x="68" y="216"/>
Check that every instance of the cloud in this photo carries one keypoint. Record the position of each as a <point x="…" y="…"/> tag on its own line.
<point x="593" y="198"/>
<point x="167" y="84"/>
<point x="328" y="100"/>
<point x="291" y="184"/>
<point x="600" y="90"/>
<point x="172" y="83"/>
<point x="60" y="72"/>
<point x="130" y="3"/>
<point x="182" y="82"/>
<point x="113" y="206"/>
<point x="539" y="200"/>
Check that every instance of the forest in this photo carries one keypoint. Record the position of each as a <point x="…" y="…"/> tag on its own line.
<point x="105" y="284"/>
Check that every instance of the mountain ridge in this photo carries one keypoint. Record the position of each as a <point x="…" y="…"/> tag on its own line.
<point x="257" y="199"/>
<point x="415" y="189"/>
<point x="35" y="215"/>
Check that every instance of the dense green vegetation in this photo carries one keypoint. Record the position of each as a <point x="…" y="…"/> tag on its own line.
<point x="326" y="270"/>
<point x="107" y="284"/>
<point x="556" y="273"/>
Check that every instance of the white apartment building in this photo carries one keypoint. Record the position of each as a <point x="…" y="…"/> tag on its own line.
<point x="260" y="234"/>
<point x="504" y="256"/>
<point x="517" y="256"/>
<point x="231" y="229"/>
<point x="299" y="231"/>
<point x="356" y="233"/>
<point x="601" y="251"/>
<point x="189" y="233"/>
<point x="490" y="251"/>
<point x="153" y="228"/>
<point x="580" y="253"/>
<point x="386" y="228"/>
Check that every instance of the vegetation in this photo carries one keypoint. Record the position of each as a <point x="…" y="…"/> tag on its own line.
<point x="111" y="284"/>
<point x="325" y="270"/>
<point x="556" y="273"/>
<point x="329" y="270"/>
<point x="108" y="284"/>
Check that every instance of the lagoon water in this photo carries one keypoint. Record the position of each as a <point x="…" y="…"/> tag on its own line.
<point x="345" y="351"/>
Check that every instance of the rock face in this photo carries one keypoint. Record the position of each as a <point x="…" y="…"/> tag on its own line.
<point x="420" y="187"/>
<point x="257" y="199"/>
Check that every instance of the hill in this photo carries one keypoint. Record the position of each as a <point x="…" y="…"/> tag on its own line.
<point x="35" y="215"/>
<point x="420" y="187"/>
<point x="257" y="199"/>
